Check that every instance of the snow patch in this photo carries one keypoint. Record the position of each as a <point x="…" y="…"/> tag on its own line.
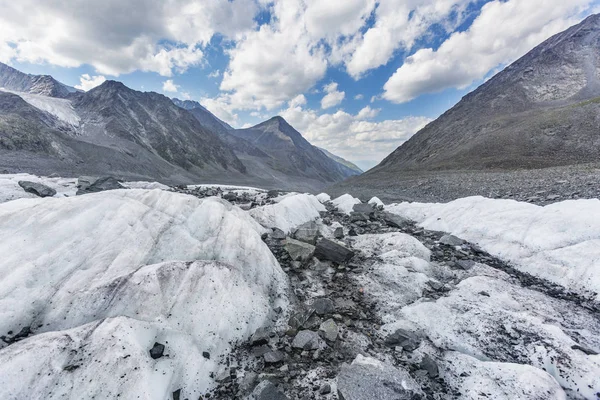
<point x="289" y="213"/>
<point x="323" y="197"/>
<point x="345" y="202"/>
<point x="376" y="202"/>
<point x="60" y="108"/>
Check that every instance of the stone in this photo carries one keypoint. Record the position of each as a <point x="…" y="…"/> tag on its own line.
<point x="329" y="250"/>
<point x="429" y="365"/>
<point x="266" y="390"/>
<point x="230" y="196"/>
<point x="466" y="264"/>
<point x="307" y="232"/>
<point x="584" y="349"/>
<point x="259" y="351"/>
<point x="37" y="188"/>
<point x="273" y="357"/>
<point x="278" y="234"/>
<point x="325" y="389"/>
<point x="272" y="193"/>
<point x="157" y="351"/>
<point x="88" y="184"/>
<point x="307" y="340"/>
<point x="259" y="337"/>
<point x="329" y="330"/>
<point x="299" y="251"/>
<point x="338" y="233"/>
<point x="300" y="318"/>
<point x="451" y="240"/>
<point x="177" y="394"/>
<point x="355" y="217"/>
<point x="370" y="379"/>
<point x="409" y="341"/>
<point x="364" y="208"/>
<point x="394" y="220"/>
<point x="323" y="306"/>
<point x="206" y="355"/>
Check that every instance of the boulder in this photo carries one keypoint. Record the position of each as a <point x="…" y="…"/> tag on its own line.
<point x="37" y="188"/>
<point x="273" y="357"/>
<point x="307" y="232"/>
<point x="278" y="234"/>
<point x="157" y="350"/>
<point x="307" y="340"/>
<point x="466" y="264"/>
<point x="299" y="251"/>
<point x="329" y="330"/>
<point x="451" y="240"/>
<point x="323" y="306"/>
<point x="89" y="184"/>
<point x="409" y="341"/>
<point x="298" y="319"/>
<point x="356" y="216"/>
<point x="260" y="336"/>
<point x="267" y="390"/>
<point x="394" y="220"/>
<point x="338" y="233"/>
<point x="329" y="250"/>
<point x="428" y="364"/>
<point x="370" y="379"/>
<point x="364" y="208"/>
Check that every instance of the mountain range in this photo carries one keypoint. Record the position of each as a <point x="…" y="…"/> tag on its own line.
<point x="48" y="127"/>
<point x="541" y="111"/>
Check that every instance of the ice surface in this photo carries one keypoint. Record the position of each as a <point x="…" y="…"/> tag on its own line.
<point x="10" y="189"/>
<point x="289" y="213"/>
<point x="376" y="201"/>
<point x="323" y="197"/>
<point x="345" y="202"/>
<point x="106" y="275"/>
<point x="60" y="108"/>
<point x="559" y="242"/>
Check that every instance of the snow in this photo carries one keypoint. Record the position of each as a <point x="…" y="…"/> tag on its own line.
<point x="60" y="108"/>
<point x="323" y="197"/>
<point x="345" y="202"/>
<point x="558" y="242"/>
<point x="145" y="185"/>
<point x="376" y="202"/>
<point x="10" y="189"/>
<point x="289" y="213"/>
<point x="101" y="277"/>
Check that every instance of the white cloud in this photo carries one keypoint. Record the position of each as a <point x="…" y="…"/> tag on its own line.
<point x="185" y="96"/>
<point x="88" y="82"/>
<point x="170" y="86"/>
<point x="358" y="97"/>
<point x="299" y="100"/>
<point x="215" y="74"/>
<point x="333" y="96"/>
<point x="118" y="37"/>
<point x="368" y="113"/>
<point x="350" y="136"/>
<point x="221" y="107"/>
<point x="468" y="56"/>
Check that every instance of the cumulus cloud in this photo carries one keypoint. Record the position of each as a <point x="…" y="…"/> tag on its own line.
<point x="468" y="56"/>
<point x="221" y="107"/>
<point x="119" y="37"/>
<point x="333" y="97"/>
<point x="170" y="86"/>
<point x="368" y="113"/>
<point x="351" y="136"/>
<point x="88" y="82"/>
<point x="359" y="97"/>
<point x="298" y="101"/>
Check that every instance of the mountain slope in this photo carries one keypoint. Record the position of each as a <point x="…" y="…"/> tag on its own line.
<point x="541" y="111"/>
<point x="46" y="85"/>
<point x="353" y="168"/>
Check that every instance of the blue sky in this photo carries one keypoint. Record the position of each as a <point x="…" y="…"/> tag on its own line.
<point x="358" y="77"/>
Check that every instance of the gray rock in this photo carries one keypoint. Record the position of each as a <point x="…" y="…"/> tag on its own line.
<point x="259" y="337"/>
<point x="157" y="350"/>
<point x="273" y="357"/>
<point x="307" y="340"/>
<point x="325" y="389"/>
<point x="466" y="264"/>
<point x="370" y="379"/>
<point x="37" y="188"/>
<point x="267" y="390"/>
<point x="278" y="234"/>
<point x="364" y="208"/>
<point x="329" y="330"/>
<point x="451" y="240"/>
<point x="260" y="350"/>
<point x="355" y="217"/>
<point x="323" y="306"/>
<point x="429" y="365"/>
<point x="338" y="233"/>
<point x="299" y="251"/>
<point x="307" y="232"/>
<point x="329" y="250"/>
<point x="89" y="184"/>
<point x="394" y="220"/>
<point x="300" y="318"/>
<point x="409" y="341"/>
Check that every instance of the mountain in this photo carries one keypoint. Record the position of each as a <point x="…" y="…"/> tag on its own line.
<point x="540" y="112"/>
<point x="12" y="79"/>
<point x="353" y="168"/>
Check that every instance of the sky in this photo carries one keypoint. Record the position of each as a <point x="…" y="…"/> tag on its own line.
<point x="357" y="77"/>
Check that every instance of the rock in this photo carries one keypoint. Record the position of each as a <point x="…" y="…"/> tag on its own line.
<point x="329" y="250"/>
<point x="329" y="330"/>
<point x="451" y="240"/>
<point x="300" y="318"/>
<point x="278" y="234"/>
<point x="338" y="233"/>
<point x="466" y="264"/>
<point x="409" y="341"/>
<point x="307" y="232"/>
<point x="325" y="389"/>
<point x="206" y="355"/>
<point x="157" y="350"/>
<point x="394" y="220"/>
<point x="323" y="306"/>
<point x="299" y="251"/>
<point x="259" y="337"/>
<point x="37" y="188"/>
<point x="88" y="184"/>
<point x="267" y="390"/>
<point x="352" y="232"/>
<point x="177" y="394"/>
<point x="248" y="381"/>
<point x="355" y="217"/>
<point x="307" y="340"/>
<point x="272" y="193"/>
<point x="429" y="365"/>
<point x="584" y="349"/>
<point x="261" y="350"/>
<point x="230" y="196"/>
<point x="370" y="379"/>
<point x="273" y="357"/>
<point x="364" y="208"/>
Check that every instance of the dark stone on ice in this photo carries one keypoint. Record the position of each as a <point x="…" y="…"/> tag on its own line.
<point x="88" y="184"/>
<point x="338" y="233"/>
<point x="465" y="264"/>
<point x="429" y="365"/>
<point x="230" y="196"/>
<point x="325" y="389"/>
<point x="355" y="217"/>
<point x="272" y="193"/>
<point x="37" y="188"/>
<point x="259" y="351"/>
<point x="451" y="240"/>
<point x="323" y="306"/>
<point x="177" y="394"/>
<point x="352" y="232"/>
<point x="584" y="349"/>
<point x="206" y="355"/>
<point x="267" y="390"/>
<point x="300" y="318"/>
<point x="278" y="234"/>
<point x="260" y="336"/>
<point x="393" y="220"/>
<point x="273" y="357"/>
<point x="363" y="208"/>
<point x="157" y="350"/>
<point x="407" y="340"/>
<point x="329" y="250"/>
